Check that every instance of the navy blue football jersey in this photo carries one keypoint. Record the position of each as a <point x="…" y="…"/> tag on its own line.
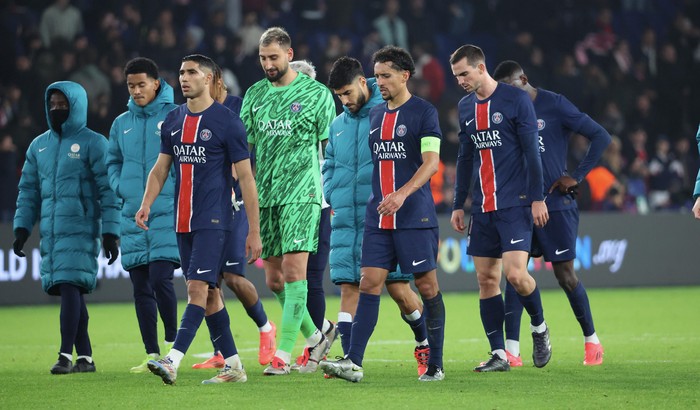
<point x="395" y="142"/>
<point x="203" y="146"/>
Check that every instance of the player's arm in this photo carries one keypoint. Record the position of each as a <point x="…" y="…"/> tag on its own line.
<point x="154" y="184"/>
<point x="530" y="146"/>
<point x="463" y="178"/>
<point x="575" y="120"/>
<point x="696" y="192"/>
<point x="250" y="193"/>
<point x="430" y="152"/>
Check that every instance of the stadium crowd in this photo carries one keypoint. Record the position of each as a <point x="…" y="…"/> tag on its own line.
<point x="627" y="63"/>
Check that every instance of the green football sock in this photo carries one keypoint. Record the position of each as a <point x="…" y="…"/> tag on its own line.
<point x="292" y="313"/>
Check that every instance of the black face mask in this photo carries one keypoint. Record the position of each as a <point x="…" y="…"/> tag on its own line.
<point x="58" y="117"/>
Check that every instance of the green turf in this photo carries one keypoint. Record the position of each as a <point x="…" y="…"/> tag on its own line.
<point x="651" y="339"/>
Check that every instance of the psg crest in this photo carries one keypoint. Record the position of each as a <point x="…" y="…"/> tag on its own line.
<point x="540" y="124"/>
<point x="205" y="135"/>
<point x="295" y="107"/>
<point x="497" y="117"/>
<point x="401" y="130"/>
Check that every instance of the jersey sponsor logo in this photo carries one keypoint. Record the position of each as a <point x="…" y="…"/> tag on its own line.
<point x="295" y="107"/>
<point x="205" y="134"/>
<point x="497" y="117"/>
<point x="190" y="154"/>
<point x="487" y="139"/>
<point x="540" y="124"/>
<point x="74" y="151"/>
<point x="276" y="128"/>
<point x="389" y="150"/>
<point x="401" y="130"/>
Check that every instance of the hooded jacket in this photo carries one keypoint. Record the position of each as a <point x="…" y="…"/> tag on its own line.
<point x="134" y="145"/>
<point x="347" y="185"/>
<point x="64" y="186"/>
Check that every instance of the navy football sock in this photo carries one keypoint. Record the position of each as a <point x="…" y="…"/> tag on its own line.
<point x="363" y="326"/>
<point x="82" y="338"/>
<point x="492" y="313"/>
<point x="316" y="298"/>
<point x="533" y="304"/>
<point x="219" y="325"/>
<point x="578" y="299"/>
<point x="513" y="313"/>
<point x="345" y="330"/>
<point x="257" y="313"/>
<point x="191" y="320"/>
<point x="434" y="312"/>
<point x="420" y="332"/>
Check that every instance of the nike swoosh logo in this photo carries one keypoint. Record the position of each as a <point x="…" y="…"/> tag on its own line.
<point x="127" y="131"/>
<point x="469" y="122"/>
<point x="338" y="133"/>
<point x="298" y="241"/>
<point x="217" y="338"/>
<point x="174" y="132"/>
<point x="231" y="263"/>
<point x="418" y="263"/>
<point x="257" y="108"/>
<point x="41" y="149"/>
<point x="558" y="252"/>
<point x="513" y="241"/>
<point x="372" y="131"/>
<point x="200" y="271"/>
<point x="491" y="332"/>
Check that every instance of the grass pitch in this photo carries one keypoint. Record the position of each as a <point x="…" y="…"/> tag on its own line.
<point x="651" y="339"/>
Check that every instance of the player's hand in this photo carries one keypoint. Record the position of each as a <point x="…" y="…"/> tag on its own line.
<point x="696" y="209"/>
<point x="539" y="213"/>
<point x="142" y="217"/>
<point x="391" y="203"/>
<point x="457" y="220"/>
<point x="253" y="246"/>
<point x="109" y="245"/>
<point x="21" y="236"/>
<point x="565" y="184"/>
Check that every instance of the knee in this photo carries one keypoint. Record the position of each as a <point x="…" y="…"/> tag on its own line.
<point x="566" y="277"/>
<point x="488" y="282"/>
<point x="370" y="284"/>
<point x="427" y="285"/>
<point x="275" y="284"/>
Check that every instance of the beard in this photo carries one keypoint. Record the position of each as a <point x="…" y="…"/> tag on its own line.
<point x="276" y="77"/>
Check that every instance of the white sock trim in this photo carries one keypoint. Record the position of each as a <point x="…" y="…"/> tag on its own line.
<point x="344" y="317"/>
<point x="513" y="346"/>
<point x="415" y="315"/>
<point x="266" y="327"/>
<point x="88" y="358"/>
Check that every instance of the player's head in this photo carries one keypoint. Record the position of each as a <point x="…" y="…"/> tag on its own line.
<point x="196" y="75"/>
<point x="510" y="72"/>
<point x="305" y="67"/>
<point x="217" y="87"/>
<point x="469" y="67"/>
<point x="347" y="81"/>
<point x="275" y="51"/>
<point x="393" y="66"/>
<point x="142" y="80"/>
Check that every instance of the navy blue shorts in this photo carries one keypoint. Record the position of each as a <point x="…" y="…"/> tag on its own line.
<point x="201" y="254"/>
<point x="556" y="241"/>
<point x="414" y="250"/>
<point x="234" y="253"/>
<point x="503" y="230"/>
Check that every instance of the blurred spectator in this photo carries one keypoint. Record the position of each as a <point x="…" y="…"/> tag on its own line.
<point x="429" y="69"/>
<point x="392" y="29"/>
<point x="8" y="178"/>
<point x="420" y="22"/>
<point x="61" y="20"/>
<point x="666" y="175"/>
<point x="250" y="33"/>
<point x="612" y="119"/>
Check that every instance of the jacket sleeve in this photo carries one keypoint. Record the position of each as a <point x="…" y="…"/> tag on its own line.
<point x="108" y="199"/>
<point x="29" y="198"/>
<point x="328" y="169"/>
<point x="115" y="160"/>
<point x="696" y="192"/>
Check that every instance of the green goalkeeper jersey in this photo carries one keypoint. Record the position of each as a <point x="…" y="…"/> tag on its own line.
<point x="286" y="124"/>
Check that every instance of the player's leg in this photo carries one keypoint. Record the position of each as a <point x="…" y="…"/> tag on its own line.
<point x="349" y="296"/>
<point x="216" y="361"/>
<point x="146" y="314"/>
<point x="412" y="313"/>
<point x="200" y="253"/>
<point x="513" y="314"/>
<point x="83" y="347"/>
<point x="219" y="324"/>
<point x="69" y="318"/>
<point x="316" y="267"/>
<point x="161" y="281"/>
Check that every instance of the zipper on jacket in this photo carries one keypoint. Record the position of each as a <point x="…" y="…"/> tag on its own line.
<point x="144" y="180"/>
<point x="53" y="214"/>
<point x="354" y="191"/>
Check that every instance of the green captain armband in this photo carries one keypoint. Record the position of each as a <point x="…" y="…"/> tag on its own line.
<point x="430" y="144"/>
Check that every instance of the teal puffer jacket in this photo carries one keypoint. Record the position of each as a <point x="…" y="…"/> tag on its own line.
<point x="64" y="186"/>
<point x="134" y="145"/>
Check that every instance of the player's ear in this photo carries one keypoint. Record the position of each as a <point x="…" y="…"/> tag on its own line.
<point x="290" y="54"/>
<point x="523" y="78"/>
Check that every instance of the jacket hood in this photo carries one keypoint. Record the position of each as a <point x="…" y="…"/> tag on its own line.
<point x="164" y="96"/>
<point x="77" y="101"/>
<point x="375" y="98"/>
